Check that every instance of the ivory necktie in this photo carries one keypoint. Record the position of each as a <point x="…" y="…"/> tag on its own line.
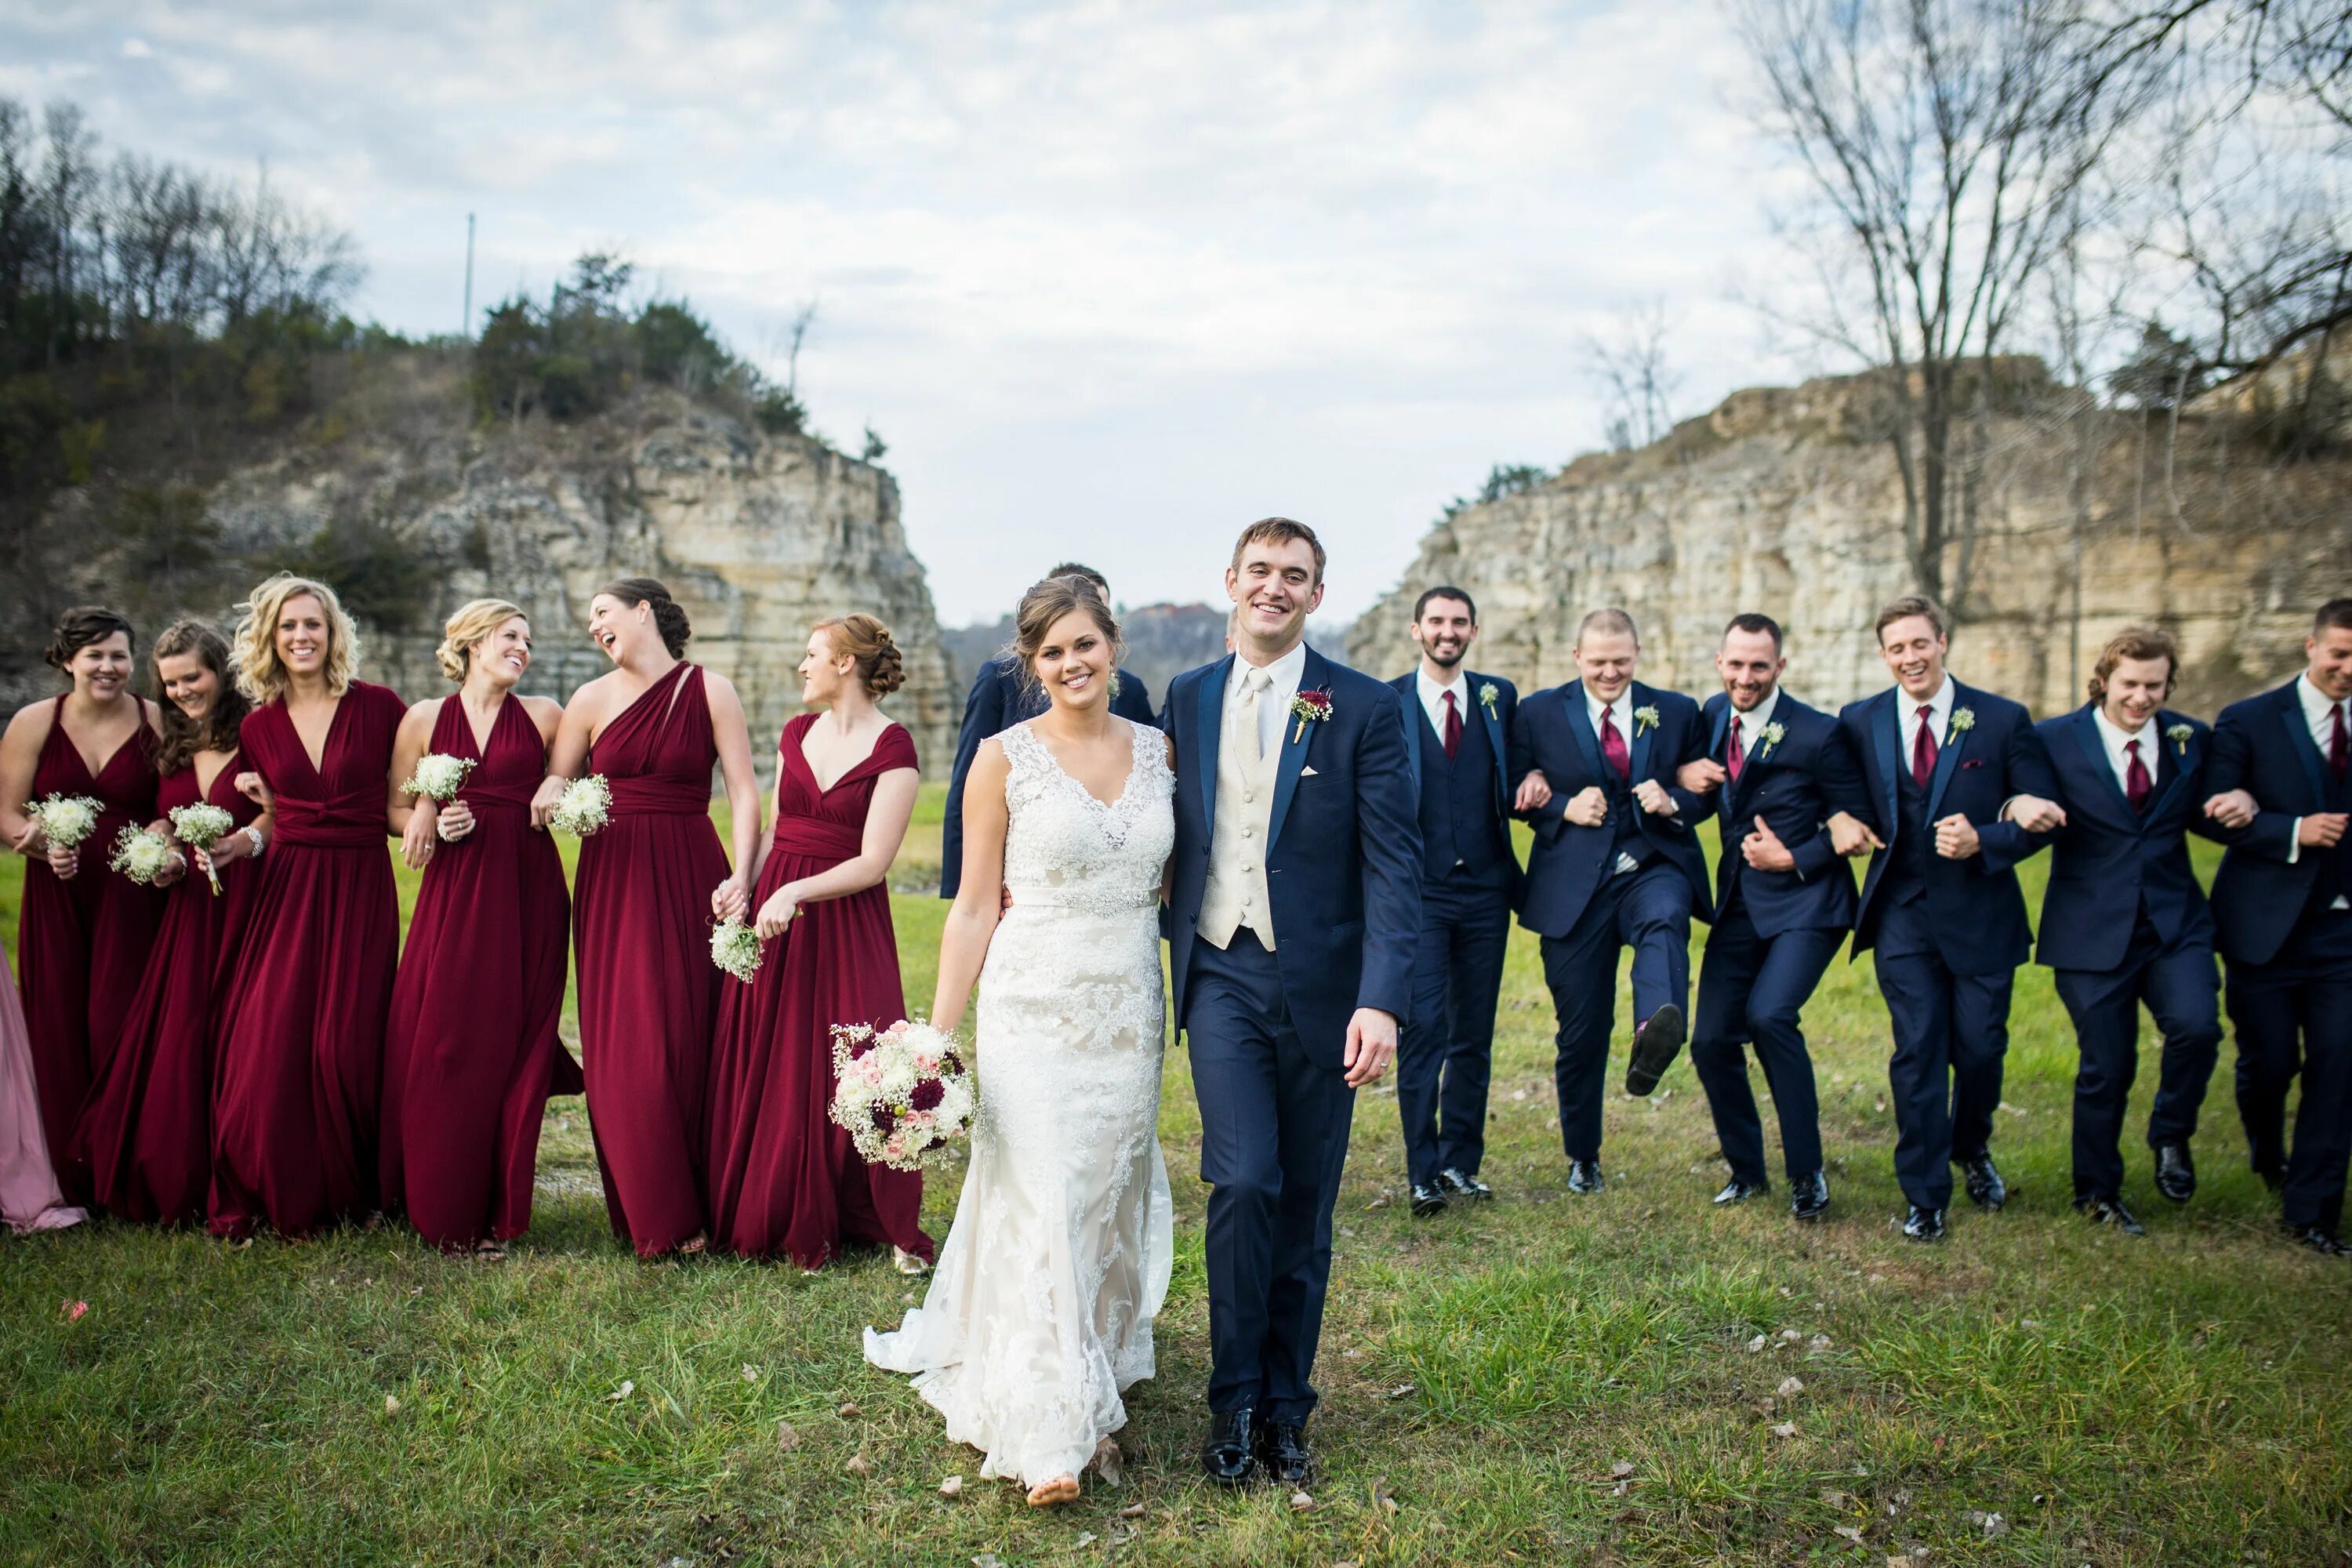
<point x="1733" y="760"/>
<point x="1923" y="750"/>
<point x="1255" y="680"/>
<point x="1453" y="727"/>
<point x="2137" y="784"/>
<point x="1613" y="746"/>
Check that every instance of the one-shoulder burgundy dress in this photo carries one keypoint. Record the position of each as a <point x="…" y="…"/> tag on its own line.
<point x="82" y="942"/>
<point x="472" y="1052"/>
<point x="145" y="1133"/>
<point x="300" y="1036"/>
<point x="784" y="1181"/>
<point x="641" y="924"/>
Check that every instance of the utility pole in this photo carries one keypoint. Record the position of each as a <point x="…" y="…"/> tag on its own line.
<point x="466" y="328"/>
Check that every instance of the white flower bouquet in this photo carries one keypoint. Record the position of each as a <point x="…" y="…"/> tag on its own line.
<point x="735" y="948"/>
<point x="903" y="1094"/>
<point x="200" y="826"/>
<point x="141" y="854"/>
<point x="438" y="776"/>
<point x="65" y="819"/>
<point x="585" y="806"/>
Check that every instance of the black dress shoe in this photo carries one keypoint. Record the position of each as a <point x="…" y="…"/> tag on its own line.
<point x="1427" y="1201"/>
<point x="1584" y="1176"/>
<point x="1809" y="1196"/>
<point x="1282" y="1450"/>
<point x="2274" y="1177"/>
<point x="2176" y="1174"/>
<point x="1655" y="1045"/>
<point x="2320" y="1241"/>
<point x="1986" y="1189"/>
<point x="1924" y="1224"/>
<point x="1739" y="1192"/>
<point x="1470" y="1189"/>
<point x="2110" y="1211"/>
<point x="1229" y="1457"/>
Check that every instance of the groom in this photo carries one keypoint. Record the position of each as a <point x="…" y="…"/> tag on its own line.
<point x="1293" y="909"/>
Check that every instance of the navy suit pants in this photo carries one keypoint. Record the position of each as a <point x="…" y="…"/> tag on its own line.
<point x="2180" y="987"/>
<point x="1951" y="1042"/>
<point x="1648" y="910"/>
<point x="1274" y="1138"/>
<point x="1444" y="1055"/>
<point x="2294" y="1015"/>
<point x="1752" y="988"/>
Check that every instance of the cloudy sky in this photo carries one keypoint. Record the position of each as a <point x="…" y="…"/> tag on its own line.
<point x="1111" y="280"/>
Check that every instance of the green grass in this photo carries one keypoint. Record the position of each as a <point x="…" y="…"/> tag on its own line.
<point x="2180" y="1399"/>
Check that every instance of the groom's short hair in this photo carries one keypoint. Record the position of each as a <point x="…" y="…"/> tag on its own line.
<point x="1278" y="530"/>
<point x="1611" y="621"/>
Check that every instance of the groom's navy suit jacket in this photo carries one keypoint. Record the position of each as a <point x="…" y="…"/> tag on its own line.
<point x="1343" y="847"/>
<point x="1793" y="785"/>
<point x="1553" y="732"/>
<point x="2110" y="864"/>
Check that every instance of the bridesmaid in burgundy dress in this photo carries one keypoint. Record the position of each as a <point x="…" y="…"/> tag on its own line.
<point x="146" y="1132"/>
<point x="648" y="885"/>
<point x="783" y="1179"/>
<point x="301" y="1032"/>
<point x="83" y="933"/>
<point x="472" y="1052"/>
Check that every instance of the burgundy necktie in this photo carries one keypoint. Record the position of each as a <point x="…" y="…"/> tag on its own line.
<point x="1613" y="746"/>
<point x="1453" y="728"/>
<point x="2339" y="748"/>
<point x="2137" y="784"/>
<point x="1923" y="750"/>
<point x="1732" y="761"/>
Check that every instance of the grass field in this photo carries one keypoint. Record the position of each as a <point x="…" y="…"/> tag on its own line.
<point x="1543" y="1380"/>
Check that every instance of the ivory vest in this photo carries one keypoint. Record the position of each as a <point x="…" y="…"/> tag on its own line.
<point x="1235" y="895"/>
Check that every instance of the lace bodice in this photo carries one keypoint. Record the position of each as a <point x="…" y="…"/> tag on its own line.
<point x="1066" y="850"/>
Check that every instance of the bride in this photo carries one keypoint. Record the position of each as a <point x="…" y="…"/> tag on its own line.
<point x="1039" y="1315"/>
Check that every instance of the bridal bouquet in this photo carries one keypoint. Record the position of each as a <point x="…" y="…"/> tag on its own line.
<point x="200" y="826"/>
<point x="438" y="776"/>
<point x="901" y="1094"/>
<point x="735" y="948"/>
<point x="585" y="806"/>
<point x="65" y="819"/>
<point x="141" y="854"/>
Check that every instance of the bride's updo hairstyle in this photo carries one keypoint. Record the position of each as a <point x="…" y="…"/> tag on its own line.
<point x="668" y="618"/>
<point x="866" y="640"/>
<point x="1047" y="602"/>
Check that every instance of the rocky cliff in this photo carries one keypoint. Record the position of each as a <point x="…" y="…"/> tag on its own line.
<point x="1779" y="502"/>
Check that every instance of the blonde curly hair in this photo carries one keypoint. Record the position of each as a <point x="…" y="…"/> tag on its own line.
<point x="260" y="673"/>
<point x="467" y="630"/>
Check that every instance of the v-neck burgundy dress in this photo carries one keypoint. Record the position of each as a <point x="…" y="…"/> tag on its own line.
<point x="301" y="1024"/>
<point x="145" y="1133"/>
<point x="472" y="1051"/>
<point x="641" y="922"/>
<point x="82" y="943"/>
<point x="784" y="1181"/>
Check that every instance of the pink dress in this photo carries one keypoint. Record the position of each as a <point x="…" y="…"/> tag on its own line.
<point x="29" y="1198"/>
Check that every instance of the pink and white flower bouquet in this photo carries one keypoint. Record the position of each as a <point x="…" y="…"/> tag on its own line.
<point x="902" y="1093"/>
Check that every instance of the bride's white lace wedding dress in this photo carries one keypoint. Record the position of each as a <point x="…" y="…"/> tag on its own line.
<point x="1039" y="1313"/>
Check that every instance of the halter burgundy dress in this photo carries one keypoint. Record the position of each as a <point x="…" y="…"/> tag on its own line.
<point x="82" y="943"/>
<point x="641" y="926"/>
<point x="300" y="1036"/>
<point x="784" y="1181"/>
<point x="472" y="1051"/>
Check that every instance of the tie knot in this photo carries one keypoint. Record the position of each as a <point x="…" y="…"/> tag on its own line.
<point x="1606" y="711"/>
<point x="1735" y="724"/>
<point x="1449" y="699"/>
<point x="1257" y="677"/>
<point x="2132" y="746"/>
<point x="1926" y="712"/>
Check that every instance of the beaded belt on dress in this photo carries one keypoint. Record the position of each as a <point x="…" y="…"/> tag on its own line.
<point x="1091" y="901"/>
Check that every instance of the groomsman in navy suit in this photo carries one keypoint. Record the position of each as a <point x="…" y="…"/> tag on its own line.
<point x="998" y="700"/>
<point x="2283" y="900"/>
<point x="1469" y="885"/>
<point x="2124" y="924"/>
<point x="1616" y="864"/>
<point x="1961" y="791"/>
<point x="1777" y="772"/>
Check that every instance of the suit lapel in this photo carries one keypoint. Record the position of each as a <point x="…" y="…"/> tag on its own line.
<point x="2094" y="747"/>
<point x="1316" y="676"/>
<point x="1580" y="724"/>
<point x="2173" y="765"/>
<point x="1490" y="724"/>
<point x="1948" y="760"/>
<point x="1753" y="757"/>
<point x="1209" y="729"/>
<point x="2307" y="750"/>
<point x="1641" y="755"/>
<point x="1887" y="725"/>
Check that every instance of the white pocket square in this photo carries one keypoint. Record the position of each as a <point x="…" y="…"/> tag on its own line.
<point x="1307" y="773"/>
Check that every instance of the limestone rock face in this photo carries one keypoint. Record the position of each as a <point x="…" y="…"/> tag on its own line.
<point x="1775" y="503"/>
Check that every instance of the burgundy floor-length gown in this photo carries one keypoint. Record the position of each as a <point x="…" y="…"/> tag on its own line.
<point x="146" y="1132"/>
<point x="82" y="942"/>
<point x="784" y="1181"/>
<point x="472" y="1051"/>
<point x="301" y="1037"/>
<point x="641" y="919"/>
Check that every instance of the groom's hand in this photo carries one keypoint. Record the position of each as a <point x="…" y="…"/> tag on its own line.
<point x="1372" y="1045"/>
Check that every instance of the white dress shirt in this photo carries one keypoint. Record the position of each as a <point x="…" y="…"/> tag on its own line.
<point x="1751" y="728"/>
<point x="1274" y="707"/>
<point x="2319" y="712"/>
<point x="1621" y="719"/>
<point x="1432" y="698"/>
<point x="2116" y="743"/>
<point x="1906" y="712"/>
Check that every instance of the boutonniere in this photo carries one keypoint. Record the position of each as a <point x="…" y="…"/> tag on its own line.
<point x="1488" y="695"/>
<point x="1309" y="708"/>
<point x="1963" y="720"/>
<point x="1772" y="733"/>
<point x="1645" y="718"/>
<point x="2179" y="736"/>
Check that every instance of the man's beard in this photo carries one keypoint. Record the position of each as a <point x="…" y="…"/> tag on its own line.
<point x="1444" y="660"/>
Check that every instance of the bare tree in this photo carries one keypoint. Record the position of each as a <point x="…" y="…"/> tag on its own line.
<point x="1637" y="384"/>
<point x="1947" y="142"/>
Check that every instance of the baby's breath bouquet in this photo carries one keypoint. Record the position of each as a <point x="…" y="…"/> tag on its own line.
<point x="141" y="854"/>
<point x="65" y="819"/>
<point x="200" y="826"/>
<point x="735" y="948"/>
<point x="585" y="806"/>
<point x="438" y="776"/>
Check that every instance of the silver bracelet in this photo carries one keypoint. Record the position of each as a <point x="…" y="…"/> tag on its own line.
<point x="259" y="843"/>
